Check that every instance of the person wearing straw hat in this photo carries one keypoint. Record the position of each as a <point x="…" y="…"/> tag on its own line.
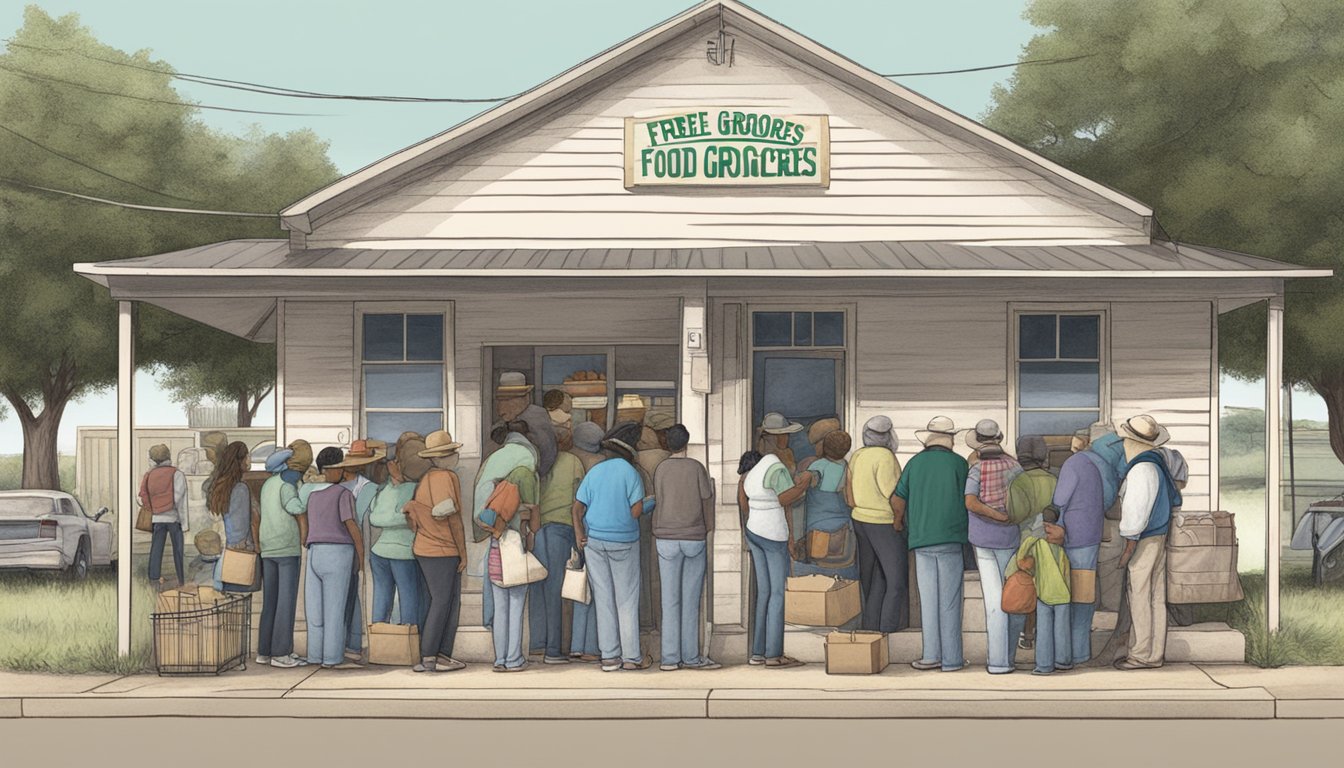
<point x="513" y="402"/>
<point x="396" y="576"/>
<point x="995" y="538"/>
<point x="1149" y="496"/>
<point x="773" y="438"/>
<point x="164" y="490"/>
<point x="439" y="545"/>
<point x="283" y="527"/>
<point x="929" y="503"/>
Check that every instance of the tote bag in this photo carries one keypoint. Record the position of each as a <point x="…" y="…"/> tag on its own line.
<point x="517" y="565"/>
<point x="240" y="568"/>
<point x="575" y="586"/>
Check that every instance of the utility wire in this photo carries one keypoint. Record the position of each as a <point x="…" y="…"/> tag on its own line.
<point x="135" y="206"/>
<point x="85" y="165"/>
<point x="994" y="66"/>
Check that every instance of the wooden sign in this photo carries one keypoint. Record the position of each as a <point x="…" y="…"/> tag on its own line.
<point x="726" y="147"/>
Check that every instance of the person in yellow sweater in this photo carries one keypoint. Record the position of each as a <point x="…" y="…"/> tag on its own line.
<point x="883" y="551"/>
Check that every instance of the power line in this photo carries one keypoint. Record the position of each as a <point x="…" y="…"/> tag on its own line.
<point x="135" y="206"/>
<point x="85" y="165"/>
<point x="994" y="66"/>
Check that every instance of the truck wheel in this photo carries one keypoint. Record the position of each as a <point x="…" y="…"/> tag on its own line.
<point x="79" y="567"/>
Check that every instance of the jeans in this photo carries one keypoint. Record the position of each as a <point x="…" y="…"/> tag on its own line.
<point x="770" y="562"/>
<point x="165" y="531"/>
<point x="1054" y="643"/>
<point x="681" y="564"/>
<point x="330" y="567"/>
<point x="399" y="578"/>
<point x="279" y="596"/>
<point x="614" y="580"/>
<point x="1003" y="628"/>
<point x="938" y="569"/>
<point x="552" y="546"/>
<point x="439" y="629"/>
<point x="884" y="575"/>
<point x="507" y="629"/>
<point x="354" y="617"/>
<point x="583" y="630"/>
<point x="1080" y="614"/>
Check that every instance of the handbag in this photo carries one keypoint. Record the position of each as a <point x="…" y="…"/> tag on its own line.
<point x="1019" y="591"/>
<point x="144" y="519"/>
<point x="575" y="586"/>
<point x="239" y="567"/>
<point x="517" y="565"/>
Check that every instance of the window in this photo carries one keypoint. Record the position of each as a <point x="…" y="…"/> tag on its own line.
<point x="1059" y="372"/>
<point x="798" y="329"/>
<point x="403" y="375"/>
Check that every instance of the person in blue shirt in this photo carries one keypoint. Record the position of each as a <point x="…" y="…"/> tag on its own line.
<point x="606" y="513"/>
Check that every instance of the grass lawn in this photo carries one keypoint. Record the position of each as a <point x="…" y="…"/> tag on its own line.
<point x="49" y="624"/>
<point x="11" y="472"/>
<point x="1311" y="621"/>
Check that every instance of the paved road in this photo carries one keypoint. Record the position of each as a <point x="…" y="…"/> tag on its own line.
<point x="203" y="742"/>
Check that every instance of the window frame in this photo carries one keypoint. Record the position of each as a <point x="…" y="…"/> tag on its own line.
<point x="443" y="308"/>
<point x="1015" y="312"/>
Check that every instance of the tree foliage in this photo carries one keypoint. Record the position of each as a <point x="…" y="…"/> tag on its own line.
<point x="1228" y="119"/>
<point x="144" y="145"/>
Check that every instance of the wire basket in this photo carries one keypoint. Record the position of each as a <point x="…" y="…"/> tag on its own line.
<point x="203" y="638"/>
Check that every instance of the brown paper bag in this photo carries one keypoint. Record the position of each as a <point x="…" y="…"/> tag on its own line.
<point x="1083" y="586"/>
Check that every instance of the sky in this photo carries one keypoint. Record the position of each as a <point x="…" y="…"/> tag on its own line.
<point x="485" y="50"/>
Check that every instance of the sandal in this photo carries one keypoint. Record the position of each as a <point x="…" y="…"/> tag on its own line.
<point x="644" y="663"/>
<point x="783" y="661"/>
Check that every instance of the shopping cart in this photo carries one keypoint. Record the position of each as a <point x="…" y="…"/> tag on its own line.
<point x="203" y="637"/>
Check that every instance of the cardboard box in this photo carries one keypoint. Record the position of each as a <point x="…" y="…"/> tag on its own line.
<point x="178" y="600"/>
<point x="856" y="653"/>
<point x="820" y="601"/>
<point x="394" y="644"/>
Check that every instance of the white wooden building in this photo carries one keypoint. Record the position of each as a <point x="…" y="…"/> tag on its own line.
<point x="929" y="266"/>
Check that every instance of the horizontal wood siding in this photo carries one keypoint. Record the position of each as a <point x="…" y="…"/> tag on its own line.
<point x="559" y="178"/>
<point x="320" y="396"/>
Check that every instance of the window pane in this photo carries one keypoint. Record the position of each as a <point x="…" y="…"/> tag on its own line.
<point x="1059" y="385"/>
<point x="1079" y="337"/>
<point x="829" y="329"/>
<point x="424" y="337"/>
<point x="383" y="337"/>
<point x="1054" y="422"/>
<point x="403" y="386"/>
<point x="773" y="329"/>
<point x="389" y="426"/>
<point x="1036" y="338"/>
<point x="802" y="329"/>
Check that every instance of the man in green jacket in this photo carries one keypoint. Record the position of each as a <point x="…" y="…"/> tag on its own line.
<point x="929" y="499"/>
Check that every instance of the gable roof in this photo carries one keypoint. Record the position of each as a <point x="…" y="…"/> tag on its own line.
<point x="327" y="202"/>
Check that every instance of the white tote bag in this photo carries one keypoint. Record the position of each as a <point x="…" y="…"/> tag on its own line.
<point x="517" y="565"/>
<point x="575" y="586"/>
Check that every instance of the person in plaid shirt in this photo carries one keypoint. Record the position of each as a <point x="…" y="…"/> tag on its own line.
<point x="994" y="536"/>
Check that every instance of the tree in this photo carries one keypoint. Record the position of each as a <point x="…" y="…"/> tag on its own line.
<point x="61" y="128"/>
<point x="1228" y="119"/>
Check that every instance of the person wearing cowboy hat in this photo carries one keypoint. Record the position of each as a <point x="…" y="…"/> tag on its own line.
<point x="513" y="402"/>
<point x="773" y="439"/>
<point x="164" y="490"/>
<point x="391" y="556"/>
<point x="995" y="538"/>
<point x="1149" y="496"/>
<point x="335" y="554"/>
<point x="883" y="553"/>
<point x="606" y="513"/>
<point x="438" y="544"/>
<point x="929" y="503"/>
<point x="283" y="527"/>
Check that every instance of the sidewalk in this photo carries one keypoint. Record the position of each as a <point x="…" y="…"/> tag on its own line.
<point x="1178" y="691"/>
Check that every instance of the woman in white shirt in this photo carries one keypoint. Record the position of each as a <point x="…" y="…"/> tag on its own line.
<point x="765" y="491"/>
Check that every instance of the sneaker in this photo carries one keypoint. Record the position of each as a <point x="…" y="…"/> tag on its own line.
<point x="285" y="662"/>
<point x="448" y="664"/>
<point x="554" y="660"/>
<point x="354" y="657"/>
<point x="585" y="658"/>
<point x="497" y="668"/>
<point x="1025" y="643"/>
<point x="263" y="659"/>
<point x="926" y="666"/>
<point x="705" y="664"/>
<point x="611" y="665"/>
<point x="669" y="667"/>
<point x="425" y="665"/>
<point x="756" y="661"/>
<point x="1008" y="671"/>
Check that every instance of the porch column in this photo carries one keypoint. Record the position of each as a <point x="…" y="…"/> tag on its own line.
<point x="126" y="491"/>
<point x="1273" y="457"/>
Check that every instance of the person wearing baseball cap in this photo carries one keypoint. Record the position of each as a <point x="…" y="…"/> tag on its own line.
<point x="1149" y="497"/>
<point x="929" y="503"/>
<point x="283" y="526"/>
